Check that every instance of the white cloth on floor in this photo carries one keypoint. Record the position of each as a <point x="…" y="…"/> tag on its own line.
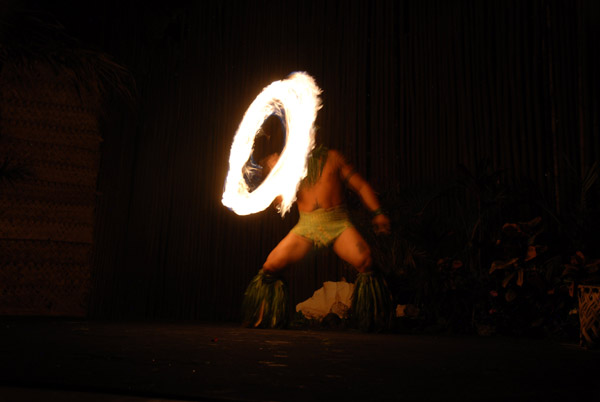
<point x="333" y="297"/>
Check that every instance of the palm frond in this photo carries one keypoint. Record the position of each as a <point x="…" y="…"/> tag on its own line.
<point x="29" y="40"/>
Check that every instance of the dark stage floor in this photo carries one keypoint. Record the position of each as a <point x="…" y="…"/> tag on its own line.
<point x="68" y="360"/>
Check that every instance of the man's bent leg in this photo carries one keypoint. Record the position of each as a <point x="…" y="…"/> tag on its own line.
<point x="371" y="299"/>
<point x="289" y="250"/>
<point x="265" y="300"/>
<point x="352" y="248"/>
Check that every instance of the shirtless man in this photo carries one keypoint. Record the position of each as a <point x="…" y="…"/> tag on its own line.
<point x="324" y="219"/>
<point x="323" y="222"/>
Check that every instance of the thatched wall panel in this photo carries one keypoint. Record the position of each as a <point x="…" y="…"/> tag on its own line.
<point x="87" y="138"/>
<point x="65" y="174"/>
<point x="49" y="133"/>
<point x="54" y="192"/>
<point x="44" y="252"/>
<point x="49" y="113"/>
<point x="24" y="208"/>
<point x="44" y="288"/>
<point x="33" y="228"/>
<point x="57" y="154"/>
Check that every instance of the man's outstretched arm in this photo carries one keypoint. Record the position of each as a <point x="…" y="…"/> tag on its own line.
<point x="363" y="189"/>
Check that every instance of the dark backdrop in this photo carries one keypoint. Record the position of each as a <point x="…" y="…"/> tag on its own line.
<point x="412" y="89"/>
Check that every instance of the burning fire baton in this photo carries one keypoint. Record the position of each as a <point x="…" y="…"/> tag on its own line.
<point x="295" y="100"/>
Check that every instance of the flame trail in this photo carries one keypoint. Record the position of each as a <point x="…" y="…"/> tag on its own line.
<point x="295" y="100"/>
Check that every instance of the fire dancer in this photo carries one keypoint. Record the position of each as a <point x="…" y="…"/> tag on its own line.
<point x="323" y="222"/>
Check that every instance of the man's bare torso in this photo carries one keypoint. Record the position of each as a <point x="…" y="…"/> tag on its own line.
<point x="328" y="191"/>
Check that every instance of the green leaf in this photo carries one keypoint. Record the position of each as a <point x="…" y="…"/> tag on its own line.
<point x="531" y="253"/>
<point x="592" y="267"/>
<point x="520" y="277"/>
<point x="511" y="228"/>
<point x="569" y="270"/>
<point x="507" y="279"/>
<point x="502" y="264"/>
<point x="532" y="223"/>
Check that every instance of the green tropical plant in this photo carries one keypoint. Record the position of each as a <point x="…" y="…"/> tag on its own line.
<point x="519" y="255"/>
<point x="580" y="271"/>
<point x="453" y="254"/>
<point x="525" y="279"/>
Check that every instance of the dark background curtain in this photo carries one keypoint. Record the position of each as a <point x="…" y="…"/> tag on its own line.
<point x="412" y="89"/>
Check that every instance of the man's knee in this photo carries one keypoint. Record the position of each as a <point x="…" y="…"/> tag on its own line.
<point x="268" y="268"/>
<point x="365" y="262"/>
<point x="271" y="265"/>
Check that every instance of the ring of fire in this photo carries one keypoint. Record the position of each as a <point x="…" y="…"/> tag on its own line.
<point x="296" y="101"/>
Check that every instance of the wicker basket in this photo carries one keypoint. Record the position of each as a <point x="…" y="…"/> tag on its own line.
<point x="589" y="315"/>
<point x="47" y="217"/>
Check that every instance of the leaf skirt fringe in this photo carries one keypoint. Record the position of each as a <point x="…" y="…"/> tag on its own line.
<point x="265" y="302"/>
<point x="371" y="302"/>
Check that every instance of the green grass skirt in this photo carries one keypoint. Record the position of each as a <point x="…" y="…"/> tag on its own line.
<point x="265" y="302"/>
<point x="371" y="302"/>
